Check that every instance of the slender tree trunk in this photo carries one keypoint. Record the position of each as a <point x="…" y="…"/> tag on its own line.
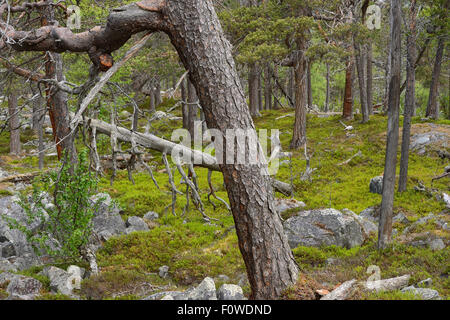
<point x="433" y="106"/>
<point x="253" y="90"/>
<point x="409" y="97"/>
<point x="309" y="86"/>
<point x="327" y="97"/>
<point x="14" y="125"/>
<point x="184" y="106"/>
<point x="291" y="89"/>
<point x="152" y="107"/>
<point x="57" y="99"/>
<point x="360" y="59"/>
<point x="260" y="91"/>
<point x="387" y="203"/>
<point x="267" y="88"/>
<point x="39" y="112"/>
<point x="157" y="92"/>
<point x="348" y="96"/>
<point x="192" y="107"/>
<point x="276" y="105"/>
<point x="299" y="132"/>
<point x="369" y="79"/>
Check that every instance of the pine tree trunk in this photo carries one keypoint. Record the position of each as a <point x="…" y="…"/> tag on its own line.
<point x="409" y="97"/>
<point x="369" y="79"/>
<point x="267" y="88"/>
<point x="14" y="125"/>
<point x="387" y="203"/>
<point x="360" y="59"/>
<point x="300" y="70"/>
<point x="432" y="107"/>
<point x="291" y="85"/>
<point x="309" y="86"/>
<point x="348" y="96"/>
<point x="192" y="107"/>
<point x="57" y="99"/>
<point x="253" y="89"/>
<point x="327" y="97"/>
<point x="184" y="106"/>
<point x="205" y="51"/>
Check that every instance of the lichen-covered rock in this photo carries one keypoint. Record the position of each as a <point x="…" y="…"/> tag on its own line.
<point x="64" y="281"/>
<point x="151" y="216"/>
<point x="13" y="243"/>
<point x="230" y="292"/>
<point x="135" y="224"/>
<point x="319" y="227"/>
<point x="424" y="293"/>
<point x="107" y="221"/>
<point x="376" y="185"/>
<point x="282" y="205"/>
<point x="206" y="290"/>
<point x="20" y="287"/>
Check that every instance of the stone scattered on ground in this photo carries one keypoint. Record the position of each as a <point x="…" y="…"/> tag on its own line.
<point x="282" y="205"/>
<point x="315" y="228"/>
<point x="424" y="293"/>
<point x="206" y="290"/>
<point x="420" y="141"/>
<point x="62" y="281"/>
<point x="107" y="221"/>
<point x="343" y="291"/>
<point x="376" y="185"/>
<point x="136" y="224"/>
<point x="230" y="292"/>
<point x="20" y="287"/>
<point x="151" y="216"/>
<point x="164" y="272"/>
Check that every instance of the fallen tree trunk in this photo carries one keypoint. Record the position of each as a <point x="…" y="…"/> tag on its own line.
<point x="153" y="142"/>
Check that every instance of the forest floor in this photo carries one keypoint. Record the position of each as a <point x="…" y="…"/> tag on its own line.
<point x="193" y="249"/>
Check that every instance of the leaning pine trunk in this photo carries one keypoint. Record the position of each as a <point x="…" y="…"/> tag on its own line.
<point x="198" y="37"/>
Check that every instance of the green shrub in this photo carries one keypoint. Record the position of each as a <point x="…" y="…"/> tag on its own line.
<point x="66" y="227"/>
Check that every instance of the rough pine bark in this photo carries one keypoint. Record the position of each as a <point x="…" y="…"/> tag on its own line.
<point x="387" y="202"/>
<point x="347" y="112"/>
<point x="409" y="97"/>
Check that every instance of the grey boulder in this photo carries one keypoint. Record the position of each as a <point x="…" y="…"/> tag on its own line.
<point x="315" y="228"/>
<point x="136" y="224"/>
<point x="20" y="287"/>
<point x="230" y="292"/>
<point x="424" y="293"/>
<point x="376" y="185"/>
